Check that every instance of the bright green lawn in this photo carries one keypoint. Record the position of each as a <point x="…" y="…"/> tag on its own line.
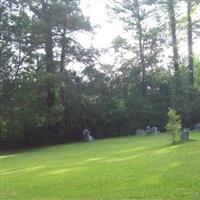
<point x="145" y="168"/>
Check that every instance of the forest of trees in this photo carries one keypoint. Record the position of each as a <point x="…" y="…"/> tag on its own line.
<point x="43" y="102"/>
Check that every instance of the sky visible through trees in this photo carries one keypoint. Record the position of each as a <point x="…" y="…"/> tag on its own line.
<point x="108" y="29"/>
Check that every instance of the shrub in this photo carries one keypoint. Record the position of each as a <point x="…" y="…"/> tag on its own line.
<point x="173" y="125"/>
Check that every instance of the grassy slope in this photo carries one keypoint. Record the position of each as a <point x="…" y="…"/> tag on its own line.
<point x="146" y="168"/>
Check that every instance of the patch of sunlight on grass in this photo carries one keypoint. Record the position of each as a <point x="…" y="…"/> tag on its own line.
<point x="174" y="164"/>
<point x="122" y="159"/>
<point x="30" y="169"/>
<point x="131" y="150"/>
<point x="171" y="166"/>
<point x="9" y="156"/>
<point x="166" y="150"/>
<point x="93" y="159"/>
<point x="61" y="171"/>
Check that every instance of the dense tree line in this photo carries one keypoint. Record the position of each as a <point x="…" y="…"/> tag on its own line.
<point x="43" y="102"/>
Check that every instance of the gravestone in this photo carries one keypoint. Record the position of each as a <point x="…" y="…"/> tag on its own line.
<point x="197" y="127"/>
<point x="185" y="135"/>
<point x="140" y="131"/>
<point x="87" y="136"/>
<point x="148" y="130"/>
<point x="154" y="130"/>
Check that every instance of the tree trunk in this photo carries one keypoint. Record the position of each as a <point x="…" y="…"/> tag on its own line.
<point x="50" y="71"/>
<point x="63" y="48"/>
<point x="50" y="68"/>
<point x="190" y="42"/>
<point x="61" y="124"/>
<point x="172" y="23"/>
<point x="62" y="65"/>
<point x="172" y="18"/>
<point x="141" y="50"/>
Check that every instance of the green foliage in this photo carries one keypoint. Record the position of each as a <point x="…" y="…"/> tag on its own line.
<point x="108" y="101"/>
<point x="119" y="42"/>
<point x="173" y="125"/>
<point x="197" y="73"/>
<point x="3" y="129"/>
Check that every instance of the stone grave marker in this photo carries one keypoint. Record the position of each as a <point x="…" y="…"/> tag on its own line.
<point x="185" y="135"/>
<point x="197" y="127"/>
<point x="140" y="131"/>
<point x="154" y="130"/>
<point x="87" y="135"/>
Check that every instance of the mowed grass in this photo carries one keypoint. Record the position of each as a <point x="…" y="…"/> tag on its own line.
<point x="136" y="167"/>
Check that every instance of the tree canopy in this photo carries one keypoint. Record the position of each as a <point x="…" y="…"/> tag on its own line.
<point x="43" y="102"/>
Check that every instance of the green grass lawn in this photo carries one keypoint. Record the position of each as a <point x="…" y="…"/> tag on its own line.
<point x="144" y="168"/>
